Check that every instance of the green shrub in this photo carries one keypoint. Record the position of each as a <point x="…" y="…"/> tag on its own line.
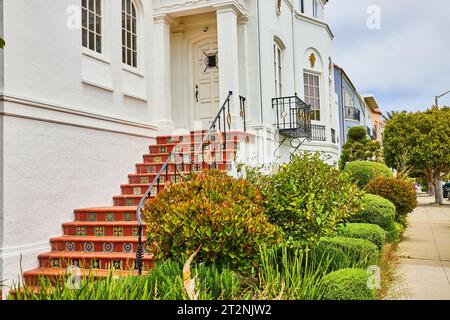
<point x="424" y="188"/>
<point x="400" y="230"/>
<point x="222" y="214"/>
<point x="364" y="171"/>
<point x="348" y="284"/>
<point x="346" y="252"/>
<point x="379" y="211"/>
<point x="400" y="192"/>
<point x="357" y="133"/>
<point x="307" y="198"/>
<point x="367" y="231"/>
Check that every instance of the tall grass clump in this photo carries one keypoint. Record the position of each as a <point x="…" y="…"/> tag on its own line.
<point x="162" y="283"/>
<point x="289" y="274"/>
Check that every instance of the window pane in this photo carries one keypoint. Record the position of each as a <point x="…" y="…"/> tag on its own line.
<point x="98" y="25"/>
<point x="98" y="44"/>
<point x="91" y="21"/>
<point x="84" y="37"/>
<point x="84" y="18"/>
<point x="91" y="40"/>
<point x="124" y="54"/>
<point x="91" y="5"/>
<point x="97" y="6"/>
<point x="83" y="3"/>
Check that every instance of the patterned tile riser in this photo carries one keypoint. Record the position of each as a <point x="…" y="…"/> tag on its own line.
<point x="108" y="231"/>
<point x="86" y="263"/>
<point x="87" y="246"/>
<point x="129" y="216"/>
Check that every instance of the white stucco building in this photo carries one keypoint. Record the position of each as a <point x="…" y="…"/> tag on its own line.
<point x="81" y="99"/>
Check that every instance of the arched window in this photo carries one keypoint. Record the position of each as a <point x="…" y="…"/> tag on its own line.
<point x="92" y="24"/>
<point x="278" y="48"/>
<point x="129" y="33"/>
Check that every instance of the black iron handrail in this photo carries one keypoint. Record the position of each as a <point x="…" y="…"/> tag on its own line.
<point x="217" y="122"/>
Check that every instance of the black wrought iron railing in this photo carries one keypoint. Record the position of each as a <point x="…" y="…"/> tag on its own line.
<point x="221" y="124"/>
<point x="352" y="113"/>
<point x="293" y="117"/>
<point x="242" y="110"/>
<point x="318" y="133"/>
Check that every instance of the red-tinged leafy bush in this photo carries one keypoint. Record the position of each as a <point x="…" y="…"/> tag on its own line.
<point x="400" y="192"/>
<point x="222" y="214"/>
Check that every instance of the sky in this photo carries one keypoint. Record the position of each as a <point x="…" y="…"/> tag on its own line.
<point x="397" y="50"/>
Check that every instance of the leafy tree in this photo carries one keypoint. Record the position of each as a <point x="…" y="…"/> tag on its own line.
<point x="390" y="114"/>
<point x="425" y="138"/>
<point x="360" y="148"/>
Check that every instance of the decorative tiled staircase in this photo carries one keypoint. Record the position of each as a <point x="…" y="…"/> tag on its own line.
<point x="104" y="238"/>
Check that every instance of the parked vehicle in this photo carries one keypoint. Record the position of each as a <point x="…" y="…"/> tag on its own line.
<point x="446" y="190"/>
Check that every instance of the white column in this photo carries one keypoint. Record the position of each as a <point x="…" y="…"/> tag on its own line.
<point x="227" y="35"/>
<point x="180" y="113"/>
<point x="162" y="76"/>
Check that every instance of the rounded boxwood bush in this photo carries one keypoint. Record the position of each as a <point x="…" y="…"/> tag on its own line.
<point x="367" y="231"/>
<point x="364" y="171"/>
<point x="400" y="192"/>
<point x="380" y="211"/>
<point x="223" y="215"/>
<point x="348" y="284"/>
<point x="344" y="252"/>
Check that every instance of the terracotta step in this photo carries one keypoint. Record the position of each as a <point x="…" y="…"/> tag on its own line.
<point x="143" y="168"/>
<point x="124" y="213"/>
<point x="95" y="260"/>
<point x="139" y="188"/>
<point x="217" y="145"/>
<point x="147" y="178"/>
<point x="208" y="156"/>
<point x="199" y="135"/>
<point x="116" y="243"/>
<point x="100" y="228"/>
<point x="123" y="200"/>
<point x="32" y="277"/>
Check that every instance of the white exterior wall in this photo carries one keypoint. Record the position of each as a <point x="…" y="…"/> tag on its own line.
<point x="75" y="123"/>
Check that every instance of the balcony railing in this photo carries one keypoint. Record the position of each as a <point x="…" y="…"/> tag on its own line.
<point x="352" y="113"/>
<point x="293" y="117"/>
<point x="318" y="133"/>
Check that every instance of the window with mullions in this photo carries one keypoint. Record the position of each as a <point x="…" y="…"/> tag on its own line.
<point x="129" y="33"/>
<point x="312" y="94"/>
<point x="92" y="24"/>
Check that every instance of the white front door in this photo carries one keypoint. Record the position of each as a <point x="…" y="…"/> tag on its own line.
<point x="206" y="81"/>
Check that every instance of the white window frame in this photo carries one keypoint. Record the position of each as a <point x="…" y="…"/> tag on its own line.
<point x="316" y="111"/>
<point x="278" y="69"/>
<point x="130" y="33"/>
<point x="95" y="45"/>
<point x="315" y="9"/>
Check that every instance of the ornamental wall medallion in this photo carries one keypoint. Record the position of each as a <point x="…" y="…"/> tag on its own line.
<point x="312" y="59"/>
<point x="211" y="60"/>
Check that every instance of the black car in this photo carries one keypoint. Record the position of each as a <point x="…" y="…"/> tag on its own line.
<point x="446" y="190"/>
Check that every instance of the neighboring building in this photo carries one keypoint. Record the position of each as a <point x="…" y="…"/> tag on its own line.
<point x="353" y="109"/>
<point x="81" y="106"/>
<point x="377" y="121"/>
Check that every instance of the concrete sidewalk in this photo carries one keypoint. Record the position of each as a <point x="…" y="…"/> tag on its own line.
<point x="424" y="264"/>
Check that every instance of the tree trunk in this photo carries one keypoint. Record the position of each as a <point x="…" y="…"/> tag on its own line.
<point x="430" y="188"/>
<point x="438" y="194"/>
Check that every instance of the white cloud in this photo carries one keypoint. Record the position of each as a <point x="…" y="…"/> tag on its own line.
<point x="406" y="61"/>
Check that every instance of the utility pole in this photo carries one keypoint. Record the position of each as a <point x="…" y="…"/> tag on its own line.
<point x="438" y="97"/>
